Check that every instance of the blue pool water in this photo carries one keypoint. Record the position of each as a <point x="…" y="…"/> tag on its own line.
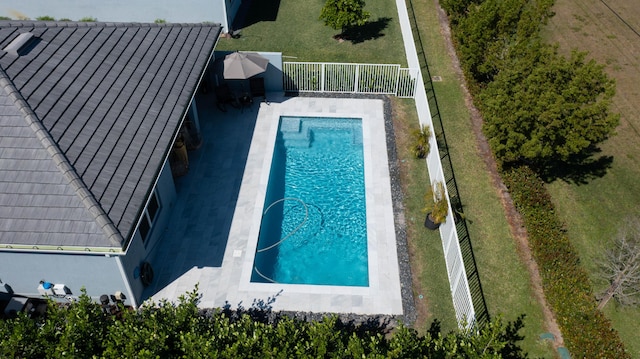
<point x="313" y="227"/>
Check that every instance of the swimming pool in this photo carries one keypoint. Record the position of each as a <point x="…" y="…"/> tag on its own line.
<point x="314" y="226"/>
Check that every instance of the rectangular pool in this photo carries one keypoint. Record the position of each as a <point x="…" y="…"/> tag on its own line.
<point x="314" y="220"/>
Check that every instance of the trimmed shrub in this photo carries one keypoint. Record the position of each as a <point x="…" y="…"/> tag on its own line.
<point x="587" y="332"/>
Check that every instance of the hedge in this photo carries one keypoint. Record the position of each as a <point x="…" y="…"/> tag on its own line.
<point x="83" y="329"/>
<point x="587" y="332"/>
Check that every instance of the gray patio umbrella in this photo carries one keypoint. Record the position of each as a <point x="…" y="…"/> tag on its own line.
<point x="243" y="65"/>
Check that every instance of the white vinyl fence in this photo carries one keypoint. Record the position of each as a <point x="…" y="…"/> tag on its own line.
<point x="458" y="283"/>
<point x="349" y="78"/>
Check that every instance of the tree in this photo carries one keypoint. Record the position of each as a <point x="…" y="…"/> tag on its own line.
<point x="81" y="329"/>
<point x="620" y="266"/>
<point x="543" y="109"/>
<point x="344" y="14"/>
<point x="456" y="8"/>
<point x="487" y="32"/>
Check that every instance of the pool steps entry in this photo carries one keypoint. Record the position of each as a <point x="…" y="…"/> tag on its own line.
<point x="295" y="133"/>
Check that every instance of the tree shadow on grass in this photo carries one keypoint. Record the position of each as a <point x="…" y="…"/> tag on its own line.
<point x="370" y="31"/>
<point x="580" y="170"/>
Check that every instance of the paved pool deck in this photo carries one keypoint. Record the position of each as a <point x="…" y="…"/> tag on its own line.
<point x="212" y="241"/>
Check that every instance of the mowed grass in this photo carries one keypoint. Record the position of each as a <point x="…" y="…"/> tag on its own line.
<point x="504" y="278"/>
<point x="431" y="292"/>
<point x="595" y="211"/>
<point x="300" y="36"/>
<point x="296" y="31"/>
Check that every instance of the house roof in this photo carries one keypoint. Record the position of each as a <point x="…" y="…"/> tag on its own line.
<point x="88" y="112"/>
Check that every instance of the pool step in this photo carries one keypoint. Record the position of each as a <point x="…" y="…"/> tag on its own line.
<point x="357" y="137"/>
<point x="297" y="133"/>
<point x="294" y="133"/>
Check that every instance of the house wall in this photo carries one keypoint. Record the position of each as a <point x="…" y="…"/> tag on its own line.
<point x="232" y="10"/>
<point x="99" y="274"/>
<point x="138" y="252"/>
<point x="184" y="11"/>
<point x="220" y="15"/>
<point x="273" y="75"/>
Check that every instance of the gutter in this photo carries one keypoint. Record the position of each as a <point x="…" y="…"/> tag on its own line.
<point x="115" y="251"/>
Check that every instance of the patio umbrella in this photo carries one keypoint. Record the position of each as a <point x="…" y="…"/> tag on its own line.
<point x="242" y="65"/>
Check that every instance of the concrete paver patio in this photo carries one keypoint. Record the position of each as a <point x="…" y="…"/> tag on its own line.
<point x="213" y="236"/>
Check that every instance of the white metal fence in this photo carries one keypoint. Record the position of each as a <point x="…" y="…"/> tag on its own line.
<point x="350" y="78"/>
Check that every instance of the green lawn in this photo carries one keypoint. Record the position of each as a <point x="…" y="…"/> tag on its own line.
<point x="594" y="211"/>
<point x="300" y="36"/>
<point x="583" y="209"/>
<point x="430" y="283"/>
<point x="504" y="278"/>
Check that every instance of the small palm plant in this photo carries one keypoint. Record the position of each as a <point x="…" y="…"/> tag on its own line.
<point x="437" y="205"/>
<point x="421" y="136"/>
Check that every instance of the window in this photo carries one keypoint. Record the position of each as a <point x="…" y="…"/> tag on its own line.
<point x="148" y="217"/>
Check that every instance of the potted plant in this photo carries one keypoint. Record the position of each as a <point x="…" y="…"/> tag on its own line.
<point x="436" y="207"/>
<point x="421" y="136"/>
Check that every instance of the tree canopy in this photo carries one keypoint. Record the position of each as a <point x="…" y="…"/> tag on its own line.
<point x="546" y="108"/>
<point x="488" y="32"/>
<point x="540" y="108"/>
<point x="344" y="14"/>
<point x="166" y="330"/>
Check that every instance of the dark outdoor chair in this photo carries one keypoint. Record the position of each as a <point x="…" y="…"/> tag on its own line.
<point x="224" y="97"/>
<point x="256" y="86"/>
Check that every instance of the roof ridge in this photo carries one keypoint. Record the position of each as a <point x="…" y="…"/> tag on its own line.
<point x="61" y="161"/>
<point x="79" y="24"/>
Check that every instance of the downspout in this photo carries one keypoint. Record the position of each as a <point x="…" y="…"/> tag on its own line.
<point x="127" y="285"/>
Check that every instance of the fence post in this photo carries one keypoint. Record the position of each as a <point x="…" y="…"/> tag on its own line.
<point x="355" y="83"/>
<point x="322" y="76"/>
<point x="398" y="79"/>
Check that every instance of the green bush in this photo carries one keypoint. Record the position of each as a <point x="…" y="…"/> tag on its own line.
<point x="182" y="330"/>
<point x="421" y="145"/>
<point x="587" y="332"/>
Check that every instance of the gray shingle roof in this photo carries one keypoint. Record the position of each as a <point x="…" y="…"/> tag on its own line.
<point x="103" y="102"/>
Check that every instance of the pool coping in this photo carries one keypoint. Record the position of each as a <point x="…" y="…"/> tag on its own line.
<point x="383" y="295"/>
